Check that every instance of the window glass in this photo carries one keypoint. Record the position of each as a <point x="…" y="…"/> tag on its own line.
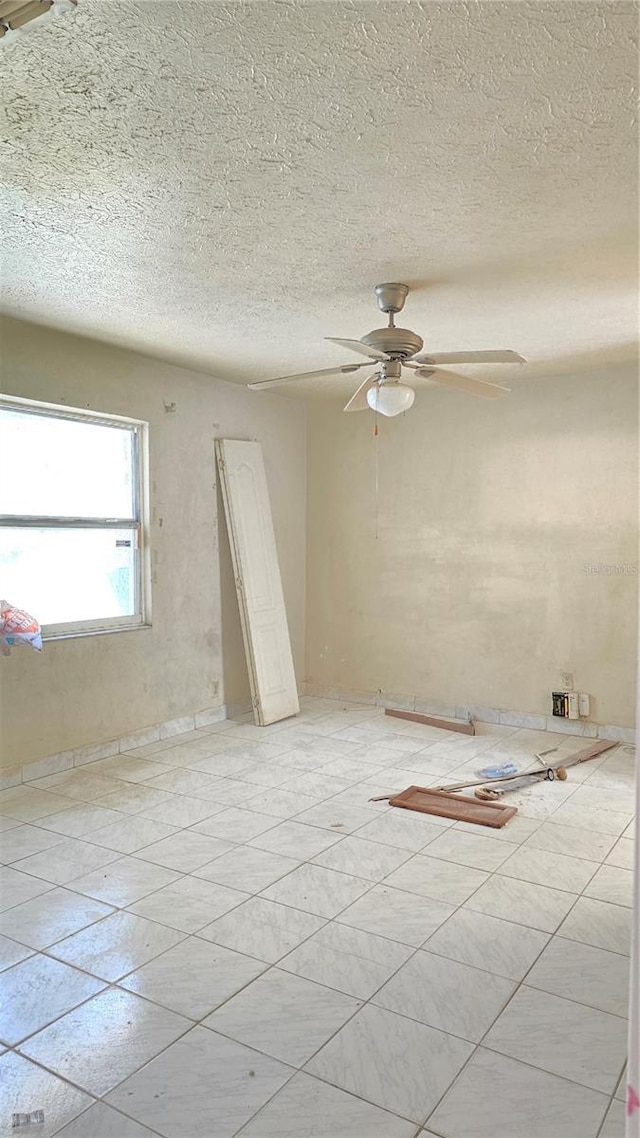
<point x="56" y="467"/>
<point x="71" y="542"/>
<point x="63" y="575"/>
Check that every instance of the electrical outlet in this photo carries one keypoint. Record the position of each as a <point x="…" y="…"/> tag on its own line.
<point x="567" y="681"/>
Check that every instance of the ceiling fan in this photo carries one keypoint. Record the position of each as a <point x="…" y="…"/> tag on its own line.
<point x="397" y="348"/>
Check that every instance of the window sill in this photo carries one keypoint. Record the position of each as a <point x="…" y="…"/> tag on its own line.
<point x="76" y="634"/>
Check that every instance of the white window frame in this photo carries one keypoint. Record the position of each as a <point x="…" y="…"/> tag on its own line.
<point x="141" y="617"/>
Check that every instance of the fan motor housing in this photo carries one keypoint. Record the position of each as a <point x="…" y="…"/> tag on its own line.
<point x="396" y="342"/>
<point x="391" y="296"/>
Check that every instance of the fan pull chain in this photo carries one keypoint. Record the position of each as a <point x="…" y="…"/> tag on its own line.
<point x="376" y="435"/>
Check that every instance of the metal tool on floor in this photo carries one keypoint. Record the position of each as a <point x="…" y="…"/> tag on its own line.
<point x="548" y="773"/>
<point x="526" y="778"/>
<point x="540" y="755"/>
<point x="521" y="778"/>
<point x="499" y="773"/>
<point x="491" y="793"/>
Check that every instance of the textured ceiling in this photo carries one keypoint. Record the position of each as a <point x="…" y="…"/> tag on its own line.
<point x="223" y="184"/>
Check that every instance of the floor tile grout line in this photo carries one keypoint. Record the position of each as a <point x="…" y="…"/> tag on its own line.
<point x="559" y="889"/>
<point x="612" y="1099"/>
<point x="113" y="983"/>
<point x="327" y="1082"/>
<point x="425" y="1120"/>
<point x="555" y="934"/>
<point x="119" y="856"/>
<point x="238" y="1133"/>
<point x="317" y="984"/>
<point x="99" y="1102"/>
<point x="522" y="983"/>
<point x="138" y="1070"/>
<point x="389" y="978"/>
<point x="84" y="1090"/>
<point x="425" y="943"/>
<point x="376" y="881"/>
<point x="475" y="1045"/>
<point x="518" y="984"/>
<point x="43" y="1027"/>
<point x="52" y="890"/>
<point x="196" y="1022"/>
<point x="302" y="1069"/>
<point x="48" y="950"/>
<point x="481" y="1042"/>
<point x="544" y="1070"/>
<point x="348" y="955"/>
<point x="410" y="854"/>
<point x="581" y="897"/>
<point x="363" y="1003"/>
<point x="279" y="820"/>
<point x="423" y="947"/>
<point x="294" y="1071"/>
<point x="122" y="908"/>
<point x="570" y="999"/>
<point x="318" y="1078"/>
<point x="416" y="949"/>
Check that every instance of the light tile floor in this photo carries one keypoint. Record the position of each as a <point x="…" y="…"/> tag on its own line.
<point x="219" y="935"/>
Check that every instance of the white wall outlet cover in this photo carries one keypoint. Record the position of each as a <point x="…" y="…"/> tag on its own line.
<point x="567" y="680"/>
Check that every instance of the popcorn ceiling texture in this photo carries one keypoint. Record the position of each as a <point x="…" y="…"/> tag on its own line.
<point x="223" y="184"/>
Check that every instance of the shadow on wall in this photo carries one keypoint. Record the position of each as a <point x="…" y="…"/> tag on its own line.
<point x="235" y="677"/>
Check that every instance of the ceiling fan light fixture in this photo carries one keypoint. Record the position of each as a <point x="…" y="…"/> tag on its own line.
<point x="393" y="349"/>
<point x="390" y="398"/>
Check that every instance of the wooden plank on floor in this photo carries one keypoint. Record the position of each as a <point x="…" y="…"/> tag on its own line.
<point x="589" y="752"/>
<point x="439" y="802"/>
<point x="445" y="724"/>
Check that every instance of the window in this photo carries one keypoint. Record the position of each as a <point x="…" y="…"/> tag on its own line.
<point x="71" y="517"/>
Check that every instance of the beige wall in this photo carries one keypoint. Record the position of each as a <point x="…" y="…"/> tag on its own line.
<point x="92" y="689"/>
<point x="474" y="590"/>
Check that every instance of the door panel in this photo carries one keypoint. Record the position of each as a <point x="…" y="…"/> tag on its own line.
<point x="258" y="583"/>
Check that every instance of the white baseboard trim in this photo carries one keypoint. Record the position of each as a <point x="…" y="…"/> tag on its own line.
<point x="79" y="756"/>
<point x="580" y="727"/>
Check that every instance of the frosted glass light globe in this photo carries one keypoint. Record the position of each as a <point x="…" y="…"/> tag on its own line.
<point x="390" y="398"/>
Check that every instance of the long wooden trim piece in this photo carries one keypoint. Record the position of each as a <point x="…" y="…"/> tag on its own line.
<point x="588" y="753"/>
<point x="445" y="724"/>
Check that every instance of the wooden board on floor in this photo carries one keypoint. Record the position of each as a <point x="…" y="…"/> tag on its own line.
<point x="445" y="724"/>
<point x="587" y="753"/>
<point x="427" y="801"/>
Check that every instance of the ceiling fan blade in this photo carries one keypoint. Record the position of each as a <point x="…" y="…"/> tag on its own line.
<point x="463" y="383"/>
<point x="500" y="357"/>
<point x="358" y="346"/>
<point x="358" y="401"/>
<point x="304" y="375"/>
